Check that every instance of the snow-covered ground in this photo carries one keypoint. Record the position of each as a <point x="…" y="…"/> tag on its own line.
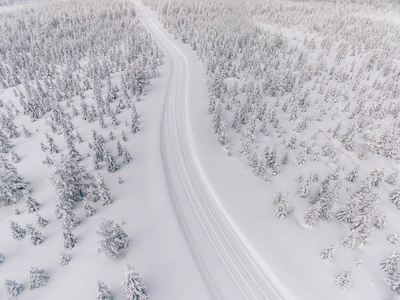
<point x="201" y="225"/>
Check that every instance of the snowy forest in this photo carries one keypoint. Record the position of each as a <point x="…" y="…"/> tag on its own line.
<point x="228" y="149"/>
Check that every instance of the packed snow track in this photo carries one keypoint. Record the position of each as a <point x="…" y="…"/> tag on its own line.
<point x="225" y="263"/>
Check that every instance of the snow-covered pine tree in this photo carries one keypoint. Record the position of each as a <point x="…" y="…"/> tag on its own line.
<point x="111" y="164"/>
<point x="31" y="204"/>
<point x="126" y="157"/>
<point x="394" y="282"/>
<point x="282" y="208"/>
<point x="351" y="240"/>
<point x="392" y="178"/>
<point x="103" y="293"/>
<point x="11" y="183"/>
<point x="134" y="288"/>
<point x="380" y="221"/>
<point x="389" y="265"/>
<point x="394" y="197"/>
<point x="69" y="239"/>
<point x="35" y="236"/>
<point x="313" y="214"/>
<point x="17" y="231"/>
<point x="37" y="277"/>
<point x="113" y="240"/>
<point x="13" y="288"/>
<point x="344" y="279"/>
<point x="304" y="190"/>
<point x="103" y="192"/>
<point x="328" y="253"/>
<point x="89" y="210"/>
<point x="41" y="222"/>
<point x="2" y="258"/>
<point x="64" y="259"/>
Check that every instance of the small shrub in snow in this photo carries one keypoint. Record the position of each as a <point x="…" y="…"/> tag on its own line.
<point x="103" y="293"/>
<point x="37" y="278"/>
<point x="134" y="288"/>
<point x="64" y="259"/>
<point x="395" y="197"/>
<point x="2" y="258"/>
<point x="13" y="288"/>
<point x="113" y="240"/>
<point x="344" y="279"/>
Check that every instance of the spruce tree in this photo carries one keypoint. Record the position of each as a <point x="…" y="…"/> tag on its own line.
<point x="37" y="278"/>
<point x="17" y="231"/>
<point x="103" y="293"/>
<point x="13" y="288"/>
<point x="134" y="288"/>
<point x="35" y="236"/>
<point x="113" y="240"/>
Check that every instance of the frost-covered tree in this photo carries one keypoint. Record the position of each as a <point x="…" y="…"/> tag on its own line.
<point x="41" y="222"/>
<point x="313" y="214"/>
<point x="2" y="258"/>
<point x="103" y="293"/>
<point x="380" y="221"/>
<point x="304" y="190"/>
<point x="64" y="259"/>
<point x="282" y="208"/>
<point x="11" y="183"/>
<point x="389" y="265"/>
<point x="111" y="164"/>
<point x="31" y="204"/>
<point x="89" y="210"/>
<point x="344" y="279"/>
<point x="13" y="288"/>
<point x="126" y="157"/>
<point x="113" y="240"/>
<point x="37" y="277"/>
<point x="328" y="253"/>
<point x="17" y="231"/>
<point x="353" y="175"/>
<point x="394" y="282"/>
<point x="134" y="288"/>
<point x="351" y="240"/>
<point x="103" y="192"/>
<point x="36" y="236"/>
<point x="69" y="239"/>
<point x="394" y="197"/>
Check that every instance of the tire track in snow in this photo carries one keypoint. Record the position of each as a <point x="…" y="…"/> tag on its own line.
<point x="227" y="266"/>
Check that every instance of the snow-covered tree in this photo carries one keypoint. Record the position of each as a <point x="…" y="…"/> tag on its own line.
<point x="103" y="293"/>
<point x="328" y="253"/>
<point x="282" y="208"/>
<point x="2" y="258"/>
<point x="313" y="214"/>
<point x="380" y="221"/>
<point x="37" y="277"/>
<point x="36" y="236"/>
<point x="113" y="240"/>
<point x="13" y="288"/>
<point x="389" y="265"/>
<point x="111" y="164"/>
<point x="31" y="204"/>
<point x="394" y="282"/>
<point x="69" y="239"/>
<point x="64" y="259"/>
<point x="17" y="231"/>
<point x="103" y="192"/>
<point x="89" y="210"/>
<point x="353" y="175"/>
<point x="394" y="197"/>
<point x="41" y="222"/>
<point x="126" y="157"/>
<point x="134" y="288"/>
<point x="344" y="279"/>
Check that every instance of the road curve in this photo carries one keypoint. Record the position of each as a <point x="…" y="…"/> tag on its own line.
<point x="226" y="265"/>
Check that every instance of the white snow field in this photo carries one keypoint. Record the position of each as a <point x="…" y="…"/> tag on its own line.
<point x="201" y="225"/>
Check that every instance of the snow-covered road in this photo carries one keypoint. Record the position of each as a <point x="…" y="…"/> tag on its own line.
<point x="227" y="267"/>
